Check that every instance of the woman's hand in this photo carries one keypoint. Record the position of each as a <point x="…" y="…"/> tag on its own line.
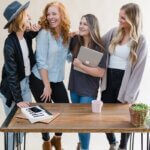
<point x="23" y="104"/>
<point x="72" y="34"/>
<point x="77" y="63"/>
<point x="46" y="95"/>
<point x="33" y="27"/>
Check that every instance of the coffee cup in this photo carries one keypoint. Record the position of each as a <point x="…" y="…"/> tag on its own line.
<point x="97" y="106"/>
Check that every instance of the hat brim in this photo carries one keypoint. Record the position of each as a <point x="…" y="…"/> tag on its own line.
<point x="17" y="13"/>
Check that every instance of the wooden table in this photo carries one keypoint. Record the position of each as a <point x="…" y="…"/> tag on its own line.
<point x="77" y="118"/>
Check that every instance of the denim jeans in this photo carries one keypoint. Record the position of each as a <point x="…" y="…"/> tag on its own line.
<point x="84" y="138"/>
<point x="26" y="94"/>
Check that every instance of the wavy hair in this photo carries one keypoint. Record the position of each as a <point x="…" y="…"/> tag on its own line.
<point x="95" y="38"/>
<point x="94" y="30"/>
<point x="18" y="24"/>
<point x="64" y="23"/>
<point x="134" y="19"/>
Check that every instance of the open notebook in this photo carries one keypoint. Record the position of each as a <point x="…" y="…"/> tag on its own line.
<point x="37" y="114"/>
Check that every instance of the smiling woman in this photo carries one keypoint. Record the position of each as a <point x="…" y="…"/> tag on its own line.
<point x="46" y="81"/>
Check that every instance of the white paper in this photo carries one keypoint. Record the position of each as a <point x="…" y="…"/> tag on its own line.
<point x="35" y="114"/>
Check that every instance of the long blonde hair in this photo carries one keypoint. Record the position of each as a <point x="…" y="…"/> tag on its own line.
<point x="134" y="19"/>
<point x="65" y="21"/>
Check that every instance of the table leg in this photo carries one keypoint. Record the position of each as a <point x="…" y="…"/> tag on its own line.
<point x="133" y="141"/>
<point x="6" y="140"/>
<point x="14" y="140"/>
<point x="131" y="145"/>
<point x="141" y="141"/>
<point x="130" y="142"/>
<point x="24" y="141"/>
<point x="18" y="141"/>
<point x="148" y="143"/>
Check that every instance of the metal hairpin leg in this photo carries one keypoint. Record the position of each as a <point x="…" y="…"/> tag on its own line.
<point x="24" y="141"/>
<point x="18" y="141"/>
<point x="133" y="141"/>
<point x="6" y="140"/>
<point x="14" y="140"/>
<point x="148" y="143"/>
<point x="141" y="141"/>
<point x="130" y="142"/>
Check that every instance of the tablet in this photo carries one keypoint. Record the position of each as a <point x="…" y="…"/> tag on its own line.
<point x="88" y="57"/>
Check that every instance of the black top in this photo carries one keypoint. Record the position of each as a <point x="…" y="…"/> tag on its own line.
<point x="14" y="70"/>
<point x="84" y="84"/>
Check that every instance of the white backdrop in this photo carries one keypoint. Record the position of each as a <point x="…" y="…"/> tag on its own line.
<point x="107" y="13"/>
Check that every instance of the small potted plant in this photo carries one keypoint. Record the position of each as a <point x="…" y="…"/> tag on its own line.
<point x="138" y="113"/>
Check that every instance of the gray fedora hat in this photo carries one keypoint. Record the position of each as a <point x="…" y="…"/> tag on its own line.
<point x="13" y="10"/>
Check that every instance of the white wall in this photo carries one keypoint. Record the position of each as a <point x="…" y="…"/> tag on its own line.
<point x="107" y="13"/>
<point x="105" y="10"/>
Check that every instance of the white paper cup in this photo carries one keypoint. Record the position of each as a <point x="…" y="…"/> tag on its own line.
<point x="97" y="106"/>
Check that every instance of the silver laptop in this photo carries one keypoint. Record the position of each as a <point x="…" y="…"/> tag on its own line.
<point x="88" y="57"/>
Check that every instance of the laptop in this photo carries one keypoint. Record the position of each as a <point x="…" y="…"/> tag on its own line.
<point x="88" y="57"/>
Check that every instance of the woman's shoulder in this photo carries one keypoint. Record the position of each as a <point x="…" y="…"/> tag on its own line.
<point x="142" y="38"/>
<point x="75" y="38"/>
<point x="43" y="32"/>
<point x="9" y="41"/>
<point x="111" y="32"/>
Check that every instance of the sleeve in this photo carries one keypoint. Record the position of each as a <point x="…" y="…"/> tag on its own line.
<point x="31" y="34"/>
<point x="106" y="38"/>
<point x="42" y="49"/>
<point x="12" y="73"/>
<point x="69" y="57"/>
<point x="103" y="62"/>
<point x="72" y="46"/>
<point x="137" y="73"/>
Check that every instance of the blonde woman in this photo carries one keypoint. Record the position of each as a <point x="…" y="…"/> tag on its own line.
<point x="51" y="53"/>
<point x="18" y="60"/>
<point x="84" y="86"/>
<point x="127" y="57"/>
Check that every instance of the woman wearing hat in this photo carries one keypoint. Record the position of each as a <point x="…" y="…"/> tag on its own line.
<point x="18" y="59"/>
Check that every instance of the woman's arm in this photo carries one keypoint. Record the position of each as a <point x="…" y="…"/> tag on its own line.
<point x="41" y="60"/>
<point x="93" y="71"/>
<point x="12" y="74"/>
<point x="46" y="95"/>
<point x="137" y="73"/>
<point x="33" y="31"/>
<point x="98" y="71"/>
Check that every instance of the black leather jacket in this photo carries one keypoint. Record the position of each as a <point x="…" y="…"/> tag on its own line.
<point x="13" y="70"/>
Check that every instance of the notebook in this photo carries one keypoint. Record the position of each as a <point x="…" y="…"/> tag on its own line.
<point x="36" y="114"/>
<point x="88" y="57"/>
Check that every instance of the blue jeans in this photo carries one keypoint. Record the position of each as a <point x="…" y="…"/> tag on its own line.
<point x="26" y="95"/>
<point x="83" y="137"/>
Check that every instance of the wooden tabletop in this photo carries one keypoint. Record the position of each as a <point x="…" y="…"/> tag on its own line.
<point x="76" y="118"/>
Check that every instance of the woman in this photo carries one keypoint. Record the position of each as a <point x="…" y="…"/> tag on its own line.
<point x="128" y="52"/>
<point x="18" y="59"/>
<point x="51" y="53"/>
<point x="84" y="86"/>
